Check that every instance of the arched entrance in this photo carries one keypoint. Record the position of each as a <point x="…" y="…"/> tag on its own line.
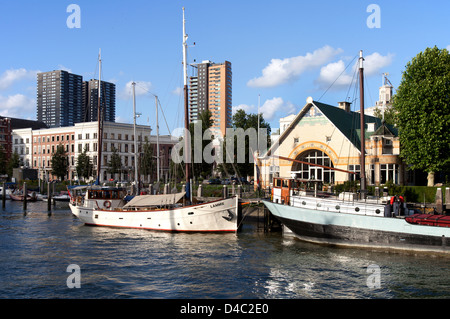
<point x="310" y="172"/>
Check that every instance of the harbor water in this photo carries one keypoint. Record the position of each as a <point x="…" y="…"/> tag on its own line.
<point x="41" y="251"/>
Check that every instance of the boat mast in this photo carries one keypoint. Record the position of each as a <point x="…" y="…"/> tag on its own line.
<point x="99" y="118"/>
<point x="363" y="141"/>
<point x="157" y="139"/>
<point x="187" y="148"/>
<point x="136" y="178"/>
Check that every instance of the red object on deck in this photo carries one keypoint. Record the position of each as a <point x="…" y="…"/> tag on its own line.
<point x="430" y="220"/>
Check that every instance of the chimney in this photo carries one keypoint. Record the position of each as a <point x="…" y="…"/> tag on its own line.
<point x="345" y="106"/>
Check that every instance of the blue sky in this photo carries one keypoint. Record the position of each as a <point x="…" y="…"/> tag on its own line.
<point x="282" y="50"/>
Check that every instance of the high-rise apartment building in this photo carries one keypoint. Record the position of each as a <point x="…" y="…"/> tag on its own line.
<point x="108" y="101"/>
<point x="63" y="99"/>
<point x="59" y="98"/>
<point x="211" y="89"/>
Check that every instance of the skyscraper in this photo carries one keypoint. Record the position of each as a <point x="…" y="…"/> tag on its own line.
<point x="211" y="89"/>
<point x="59" y="98"/>
<point x="108" y="101"/>
<point x="63" y="99"/>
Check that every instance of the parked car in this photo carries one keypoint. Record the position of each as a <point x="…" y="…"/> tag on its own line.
<point x="212" y="181"/>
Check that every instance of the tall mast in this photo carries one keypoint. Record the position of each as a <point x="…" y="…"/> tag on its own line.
<point x="363" y="141"/>
<point x="187" y="148"/>
<point x="136" y="178"/>
<point x="99" y="118"/>
<point x="157" y="140"/>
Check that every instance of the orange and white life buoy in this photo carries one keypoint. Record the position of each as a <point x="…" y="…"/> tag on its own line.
<point x="107" y="204"/>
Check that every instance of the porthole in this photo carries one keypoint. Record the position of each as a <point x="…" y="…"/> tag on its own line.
<point x="356" y="209"/>
<point x="377" y="211"/>
<point x="338" y="207"/>
<point x="190" y="213"/>
<point x="303" y="203"/>
<point x="319" y="205"/>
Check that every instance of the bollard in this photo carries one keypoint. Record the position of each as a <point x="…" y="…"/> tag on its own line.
<point x="4" y="196"/>
<point x="225" y="191"/>
<point x="199" y="191"/>
<point x="239" y="191"/>
<point x="439" y="207"/>
<point x="25" y="194"/>
<point x="49" y="197"/>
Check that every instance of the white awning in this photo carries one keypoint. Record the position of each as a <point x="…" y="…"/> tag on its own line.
<point x="154" y="200"/>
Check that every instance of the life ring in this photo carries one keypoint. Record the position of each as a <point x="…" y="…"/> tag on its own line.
<point x="107" y="204"/>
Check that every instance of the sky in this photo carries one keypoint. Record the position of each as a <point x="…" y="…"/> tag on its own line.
<point x="281" y="51"/>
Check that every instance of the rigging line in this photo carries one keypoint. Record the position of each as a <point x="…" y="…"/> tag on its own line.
<point x="336" y="79"/>
<point x="164" y="116"/>
<point x="368" y="91"/>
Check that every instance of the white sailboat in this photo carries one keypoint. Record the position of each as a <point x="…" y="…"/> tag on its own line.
<point x="106" y="207"/>
<point x="358" y="222"/>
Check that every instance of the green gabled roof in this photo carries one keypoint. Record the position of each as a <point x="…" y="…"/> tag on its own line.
<point x="349" y="122"/>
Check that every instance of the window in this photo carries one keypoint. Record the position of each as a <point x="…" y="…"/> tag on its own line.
<point x="388" y="172"/>
<point x="306" y="172"/>
<point x="356" y="169"/>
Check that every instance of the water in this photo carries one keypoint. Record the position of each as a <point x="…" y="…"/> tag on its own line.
<point x="36" y="249"/>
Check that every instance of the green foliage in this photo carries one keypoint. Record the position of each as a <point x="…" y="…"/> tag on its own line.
<point x="147" y="161"/>
<point x="60" y="162"/>
<point x="422" y="105"/>
<point x="245" y="121"/>
<point x="115" y="164"/>
<point x="84" y="166"/>
<point x="203" y="169"/>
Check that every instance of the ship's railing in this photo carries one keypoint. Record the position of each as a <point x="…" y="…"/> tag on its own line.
<point x="338" y="206"/>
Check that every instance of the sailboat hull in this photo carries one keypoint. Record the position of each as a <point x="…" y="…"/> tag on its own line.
<point x="216" y="216"/>
<point x="341" y="229"/>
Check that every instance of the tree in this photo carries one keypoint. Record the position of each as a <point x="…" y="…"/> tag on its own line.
<point x="84" y="167"/>
<point x="14" y="162"/>
<point x="60" y="162"/>
<point x="147" y="160"/>
<point x="422" y="105"/>
<point x="115" y="164"/>
<point x="202" y="169"/>
<point x="388" y="116"/>
<point x="245" y="121"/>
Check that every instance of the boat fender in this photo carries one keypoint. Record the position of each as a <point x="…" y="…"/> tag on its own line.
<point x="107" y="204"/>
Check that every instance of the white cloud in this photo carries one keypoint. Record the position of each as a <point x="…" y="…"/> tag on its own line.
<point x="245" y="107"/>
<point x="142" y="88"/>
<point x="335" y="73"/>
<point x="269" y="109"/>
<point x="17" y="105"/>
<point x="62" y="67"/>
<point x="448" y="47"/>
<point x="8" y="77"/>
<point x="178" y="91"/>
<point x="289" y="69"/>
<point x="375" y="62"/>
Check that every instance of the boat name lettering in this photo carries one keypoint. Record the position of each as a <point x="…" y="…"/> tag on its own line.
<point x="216" y="204"/>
